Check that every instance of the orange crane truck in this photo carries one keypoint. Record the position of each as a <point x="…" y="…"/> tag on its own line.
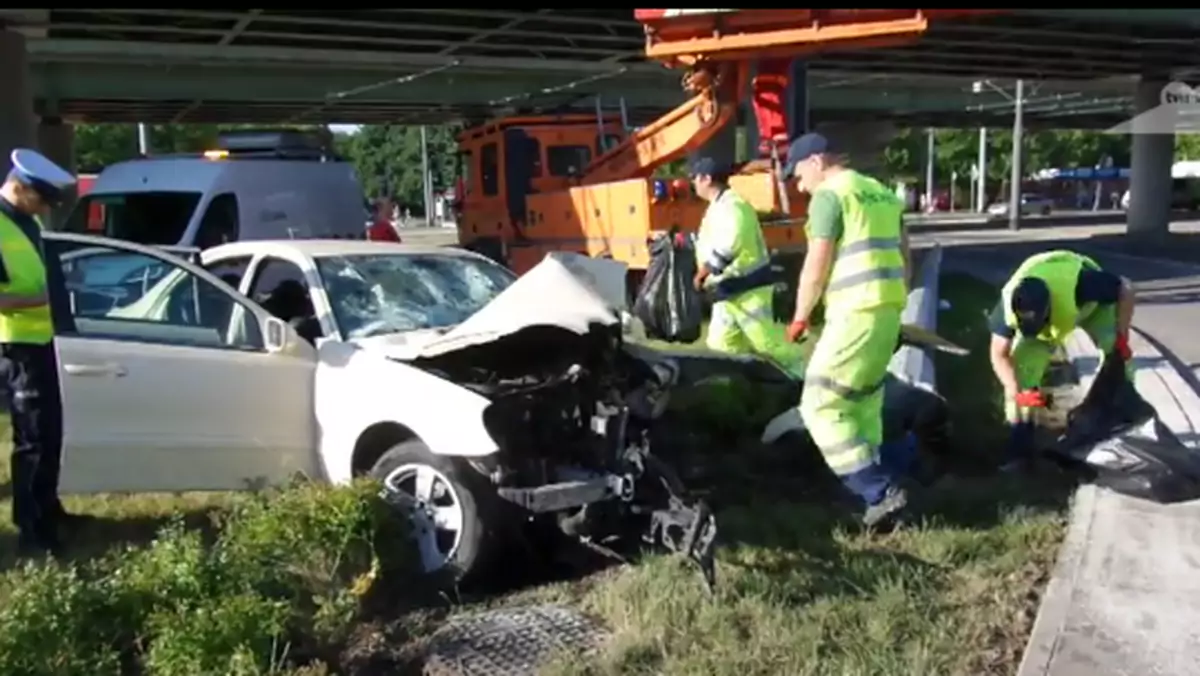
<point x="587" y="184"/>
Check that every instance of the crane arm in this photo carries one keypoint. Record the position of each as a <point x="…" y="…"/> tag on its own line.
<point x="717" y="95"/>
<point x="718" y="46"/>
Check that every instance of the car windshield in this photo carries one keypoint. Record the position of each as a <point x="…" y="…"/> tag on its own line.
<point x="159" y="217"/>
<point x="374" y="294"/>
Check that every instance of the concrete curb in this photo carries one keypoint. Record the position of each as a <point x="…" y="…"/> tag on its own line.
<point x="1178" y="405"/>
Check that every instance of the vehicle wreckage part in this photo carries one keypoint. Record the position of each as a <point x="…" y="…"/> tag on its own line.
<point x="511" y="641"/>
<point x="423" y="486"/>
<point x="567" y="494"/>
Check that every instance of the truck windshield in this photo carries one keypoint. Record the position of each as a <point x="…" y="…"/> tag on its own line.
<point x="375" y="294"/>
<point x="154" y="218"/>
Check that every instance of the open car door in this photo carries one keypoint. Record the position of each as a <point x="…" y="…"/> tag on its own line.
<point x="173" y="385"/>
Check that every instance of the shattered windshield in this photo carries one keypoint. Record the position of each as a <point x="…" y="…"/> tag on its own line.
<point x="375" y="294"/>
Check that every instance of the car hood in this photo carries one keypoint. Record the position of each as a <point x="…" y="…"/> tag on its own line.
<point x="566" y="291"/>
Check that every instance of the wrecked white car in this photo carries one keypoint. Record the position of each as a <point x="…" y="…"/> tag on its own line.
<point x="481" y="402"/>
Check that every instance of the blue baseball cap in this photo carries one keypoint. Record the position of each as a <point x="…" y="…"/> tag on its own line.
<point x="708" y="166"/>
<point x="803" y="148"/>
<point x="33" y="169"/>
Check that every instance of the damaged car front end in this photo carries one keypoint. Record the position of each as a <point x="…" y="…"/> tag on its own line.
<point x="571" y="409"/>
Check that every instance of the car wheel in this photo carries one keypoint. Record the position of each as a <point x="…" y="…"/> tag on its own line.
<point x="449" y="505"/>
<point x="1045" y="211"/>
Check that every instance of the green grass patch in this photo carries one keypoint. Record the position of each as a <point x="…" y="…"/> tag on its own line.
<point x="312" y="579"/>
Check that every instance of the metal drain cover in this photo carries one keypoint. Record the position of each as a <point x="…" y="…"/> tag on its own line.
<point x="510" y="641"/>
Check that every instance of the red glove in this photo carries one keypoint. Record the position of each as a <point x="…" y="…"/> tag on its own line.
<point x="796" y="330"/>
<point x="1031" y="399"/>
<point x="1121" y="346"/>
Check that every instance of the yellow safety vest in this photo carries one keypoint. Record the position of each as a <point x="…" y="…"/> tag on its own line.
<point x="26" y="275"/>
<point x="1060" y="271"/>
<point x="868" y="272"/>
<point x="727" y="213"/>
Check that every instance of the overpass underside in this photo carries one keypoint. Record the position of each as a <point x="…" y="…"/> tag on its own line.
<point x="1085" y="68"/>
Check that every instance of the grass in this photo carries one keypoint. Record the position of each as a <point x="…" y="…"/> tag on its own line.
<point x="309" y="578"/>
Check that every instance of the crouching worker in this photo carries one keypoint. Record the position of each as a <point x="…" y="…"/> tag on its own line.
<point x="735" y="267"/>
<point x="1048" y="297"/>
<point x="857" y="260"/>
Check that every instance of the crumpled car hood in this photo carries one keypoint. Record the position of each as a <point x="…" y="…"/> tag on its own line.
<point x="565" y="290"/>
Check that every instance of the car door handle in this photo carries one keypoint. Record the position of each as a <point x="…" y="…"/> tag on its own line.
<point x="114" y="370"/>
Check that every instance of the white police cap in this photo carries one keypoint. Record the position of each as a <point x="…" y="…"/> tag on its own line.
<point x="35" y="168"/>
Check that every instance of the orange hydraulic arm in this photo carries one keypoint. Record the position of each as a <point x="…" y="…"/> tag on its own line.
<point x="717" y="45"/>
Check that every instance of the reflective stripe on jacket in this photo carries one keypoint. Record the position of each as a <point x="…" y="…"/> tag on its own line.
<point x="869" y="269"/>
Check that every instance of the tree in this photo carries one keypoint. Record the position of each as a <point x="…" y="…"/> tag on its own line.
<point x="388" y="160"/>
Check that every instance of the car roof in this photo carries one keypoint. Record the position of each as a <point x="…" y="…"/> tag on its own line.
<point x="318" y="248"/>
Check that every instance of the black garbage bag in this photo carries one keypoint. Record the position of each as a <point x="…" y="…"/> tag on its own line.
<point x="667" y="303"/>
<point x="1119" y="437"/>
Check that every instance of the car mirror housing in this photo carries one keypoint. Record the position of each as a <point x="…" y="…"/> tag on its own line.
<point x="275" y="334"/>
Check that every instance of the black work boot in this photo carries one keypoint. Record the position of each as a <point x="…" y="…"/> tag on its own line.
<point x="35" y="544"/>
<point x="888" y="513"/>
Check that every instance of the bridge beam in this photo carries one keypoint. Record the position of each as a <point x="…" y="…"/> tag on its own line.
<point x="16" y="106"/>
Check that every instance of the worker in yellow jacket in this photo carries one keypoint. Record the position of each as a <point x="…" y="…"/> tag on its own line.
<point x="857" y="262"/>
<point x="27" y="358"/>
<point x="1046" y="299"/>
<point x="734" y="265"/>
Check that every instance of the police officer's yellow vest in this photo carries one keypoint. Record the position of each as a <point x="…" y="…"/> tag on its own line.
<point x="868" y="272"/>
<point x="730" y="211"/>
<point x="26" y="275"/>
<point x="1060" y="271"/>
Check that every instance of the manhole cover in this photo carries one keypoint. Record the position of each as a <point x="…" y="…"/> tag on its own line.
<point x="510" y="641"/>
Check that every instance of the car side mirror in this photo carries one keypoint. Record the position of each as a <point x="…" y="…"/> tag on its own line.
<point x="275" y="333"/>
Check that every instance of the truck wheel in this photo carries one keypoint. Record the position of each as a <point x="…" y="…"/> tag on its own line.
<point x="450" y="506"/>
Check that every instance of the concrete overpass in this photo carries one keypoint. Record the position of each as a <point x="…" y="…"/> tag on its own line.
<point x="1093" y="68"/>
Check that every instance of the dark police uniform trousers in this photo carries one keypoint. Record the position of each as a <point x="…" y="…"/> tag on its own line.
<point x="34" y="401"/>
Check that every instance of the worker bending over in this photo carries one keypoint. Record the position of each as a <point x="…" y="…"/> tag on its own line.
<point x="857" y="260"/>
<point x="1048" y="296"/>
<point x="734" y="264"/>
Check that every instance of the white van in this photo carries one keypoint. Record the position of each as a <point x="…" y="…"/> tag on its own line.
<point x="275" y="184"/>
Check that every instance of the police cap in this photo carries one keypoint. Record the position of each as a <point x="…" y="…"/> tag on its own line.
<point x="33" y="169"/>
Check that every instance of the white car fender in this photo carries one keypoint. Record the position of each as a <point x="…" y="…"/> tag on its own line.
<point x="357" y="388"/>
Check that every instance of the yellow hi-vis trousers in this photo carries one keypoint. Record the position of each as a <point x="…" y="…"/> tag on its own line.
<point x="745" y="324"/>
<point x="842" y="402"/>
<point x="1031" y="357"/>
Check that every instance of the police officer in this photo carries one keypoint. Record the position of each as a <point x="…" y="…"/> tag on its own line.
<point x="1048" y="297"/>
<point x="33" y="187"/>
<point x="857" y="261"/>
<point x="735" y="266"/>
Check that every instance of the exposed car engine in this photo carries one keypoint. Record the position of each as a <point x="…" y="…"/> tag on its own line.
<point x="571" y="416"/>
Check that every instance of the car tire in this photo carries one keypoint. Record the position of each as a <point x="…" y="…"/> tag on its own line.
<point x="456" y="493"/>
<point x="1045" y="211"/>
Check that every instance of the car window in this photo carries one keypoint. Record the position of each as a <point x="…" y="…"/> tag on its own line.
<point x="567" y="160"/>
<point x="280" y="287"/>
<point x="159" y="217"/>
<point x="219" y="224"/>
<point x="108" y="292"/>
<point x="373" y="294"/>
<point x="230" y="270"/>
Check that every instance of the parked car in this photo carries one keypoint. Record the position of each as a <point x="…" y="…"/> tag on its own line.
<point x="1031" y="204"/>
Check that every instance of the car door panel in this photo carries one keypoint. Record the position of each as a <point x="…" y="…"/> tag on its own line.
<point x="167" y="403"/>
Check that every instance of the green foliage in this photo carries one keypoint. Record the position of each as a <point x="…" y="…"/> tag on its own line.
<point x="279" y="586"/>
<point x="388" y="159"/>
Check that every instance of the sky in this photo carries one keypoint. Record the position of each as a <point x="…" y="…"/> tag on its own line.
<point x="344" y="128"/>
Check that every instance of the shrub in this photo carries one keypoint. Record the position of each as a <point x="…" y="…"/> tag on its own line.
<point x="277" y="588"/>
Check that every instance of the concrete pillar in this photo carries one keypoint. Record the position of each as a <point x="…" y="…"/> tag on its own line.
<point x="1149" y="214"/>
<point x="16" y="106"/>
<point x="56" y="140"/>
